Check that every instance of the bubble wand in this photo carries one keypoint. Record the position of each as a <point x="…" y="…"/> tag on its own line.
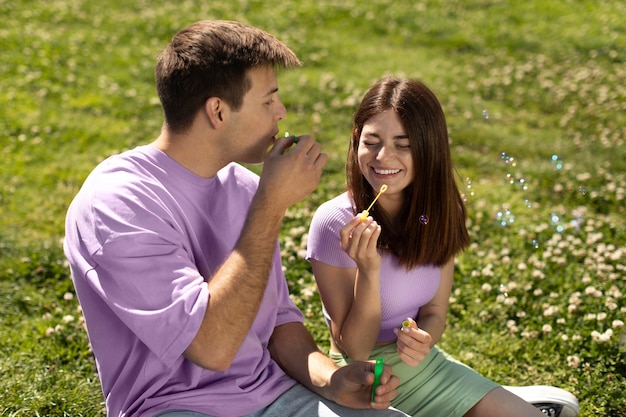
<point x="295" y="138"/>
<point x="367" y="212"/>
<point x="378" y="371"/>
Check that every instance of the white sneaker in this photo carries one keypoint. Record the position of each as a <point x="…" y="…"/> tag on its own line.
<point x="552" y="401"/>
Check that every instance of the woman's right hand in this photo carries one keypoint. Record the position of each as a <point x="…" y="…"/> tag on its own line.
<point x="358" y="239"/>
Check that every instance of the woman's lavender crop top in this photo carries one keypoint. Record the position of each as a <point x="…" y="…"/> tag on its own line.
<point x="402" y="292"/>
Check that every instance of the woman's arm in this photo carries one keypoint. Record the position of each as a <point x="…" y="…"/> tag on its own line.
<point x="432" y="316"/>
<point x="351" y="296"/>
<point x="415" y="342"/>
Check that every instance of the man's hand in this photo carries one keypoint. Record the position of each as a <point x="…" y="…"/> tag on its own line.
<point x="352" y="386"/>
<point x="290" y="173"/>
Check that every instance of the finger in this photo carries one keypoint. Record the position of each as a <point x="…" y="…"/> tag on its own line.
<point x="375" y="234"/>
<point x="280" y="146"/>
<point x="346" y="231"/>
<point x="387" y="390"/>
<point x="360" y="239"/>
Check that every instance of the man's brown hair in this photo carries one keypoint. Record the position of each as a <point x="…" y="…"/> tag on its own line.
<point x="210" y="59"/>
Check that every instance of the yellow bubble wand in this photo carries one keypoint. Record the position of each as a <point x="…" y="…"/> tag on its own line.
<point x="367" y="212"/>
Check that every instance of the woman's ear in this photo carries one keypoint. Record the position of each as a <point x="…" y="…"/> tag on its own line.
<point x="216" y="111"/>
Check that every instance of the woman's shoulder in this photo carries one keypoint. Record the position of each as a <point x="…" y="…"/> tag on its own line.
<point x="340" y="207"/>
<point x="342" y="202"/>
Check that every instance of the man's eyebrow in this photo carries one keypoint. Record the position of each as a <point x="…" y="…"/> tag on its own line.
<point x="272" y="91"/>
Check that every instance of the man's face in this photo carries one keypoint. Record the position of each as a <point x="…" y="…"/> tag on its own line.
<point x="253" y="128"/>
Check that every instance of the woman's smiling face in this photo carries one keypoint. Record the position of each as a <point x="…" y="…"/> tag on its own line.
<point x="384" y="153"/>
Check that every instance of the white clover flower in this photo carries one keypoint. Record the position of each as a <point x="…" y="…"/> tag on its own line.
<point x="572" y="308"/>
<point x="486" y="287"/>
<point x="550" y="311"/>
<point x="617" y="324"/>
<point x="617" y="255"/>
<point x="592" y="291"/>
<point x="68" y="296"/>
<point x="614" y="292"/>
<point x="573" y="361"/>
<point x="522" y="266"/>
<point x="601" y="316"/>
<point x="546" y="328"/>
<point x="538" y="292"/>
<point x="606" y="336"/>
<point x="49" y="331"/>
<point x="510" y="323"/>
<point x="575" y="298"/>
<point x="610" y="304"/>
<point x="509" y="301"/>
<point x="68" y="318"/>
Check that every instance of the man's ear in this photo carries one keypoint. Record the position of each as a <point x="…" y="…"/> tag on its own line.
<point x="216" y="111"/>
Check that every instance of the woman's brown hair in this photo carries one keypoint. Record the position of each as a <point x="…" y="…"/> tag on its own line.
<point x="433" y="191"/>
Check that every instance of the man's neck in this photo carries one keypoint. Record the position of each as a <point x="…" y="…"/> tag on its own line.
<point x="191" y="151"/>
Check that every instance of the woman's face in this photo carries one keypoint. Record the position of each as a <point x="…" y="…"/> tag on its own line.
<point x="384" y="155"/>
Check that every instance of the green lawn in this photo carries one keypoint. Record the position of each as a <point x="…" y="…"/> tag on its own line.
<point x="535" y="95"/>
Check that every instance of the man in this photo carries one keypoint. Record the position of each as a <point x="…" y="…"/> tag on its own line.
<point x="174" y="256"/>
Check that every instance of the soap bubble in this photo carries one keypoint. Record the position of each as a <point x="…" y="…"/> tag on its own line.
<point x="522" y="184"/>
<point x="505" y="217"/>
<point x="555" y="221"/>
<point x="508" y="159"/>
<point x="424" y="219"/>
<point x="577" y="222"/>
<point x="535" y="243"/>
<point x="469" y="188"/>
<point x="556" y="162"/>
<point x="504" y="290"/>
<point x="510" y="179"/>
<point x="485" y="115"/>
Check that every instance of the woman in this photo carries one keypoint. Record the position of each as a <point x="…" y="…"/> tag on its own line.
<point x="375" y="271"/>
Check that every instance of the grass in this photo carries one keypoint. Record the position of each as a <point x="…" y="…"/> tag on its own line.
<point x="538" y="296"/>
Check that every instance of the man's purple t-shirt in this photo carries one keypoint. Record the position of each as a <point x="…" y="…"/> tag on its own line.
<point x="142" y="237"/>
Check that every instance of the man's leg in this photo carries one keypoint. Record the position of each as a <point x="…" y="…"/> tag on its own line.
<point x="301" y="402"/>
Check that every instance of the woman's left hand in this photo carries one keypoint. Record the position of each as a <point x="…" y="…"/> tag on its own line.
<point x="413" y="344"/>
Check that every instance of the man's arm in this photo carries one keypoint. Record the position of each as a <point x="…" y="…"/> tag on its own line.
<point x="237" y="287"/>
<point x="294" y="349"/>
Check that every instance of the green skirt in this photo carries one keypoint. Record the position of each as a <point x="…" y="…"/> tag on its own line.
<point x="439" y="386"/>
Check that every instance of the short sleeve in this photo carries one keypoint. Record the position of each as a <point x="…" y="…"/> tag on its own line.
<point x="324" y="243"/>
<point x="145" y="273"/>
